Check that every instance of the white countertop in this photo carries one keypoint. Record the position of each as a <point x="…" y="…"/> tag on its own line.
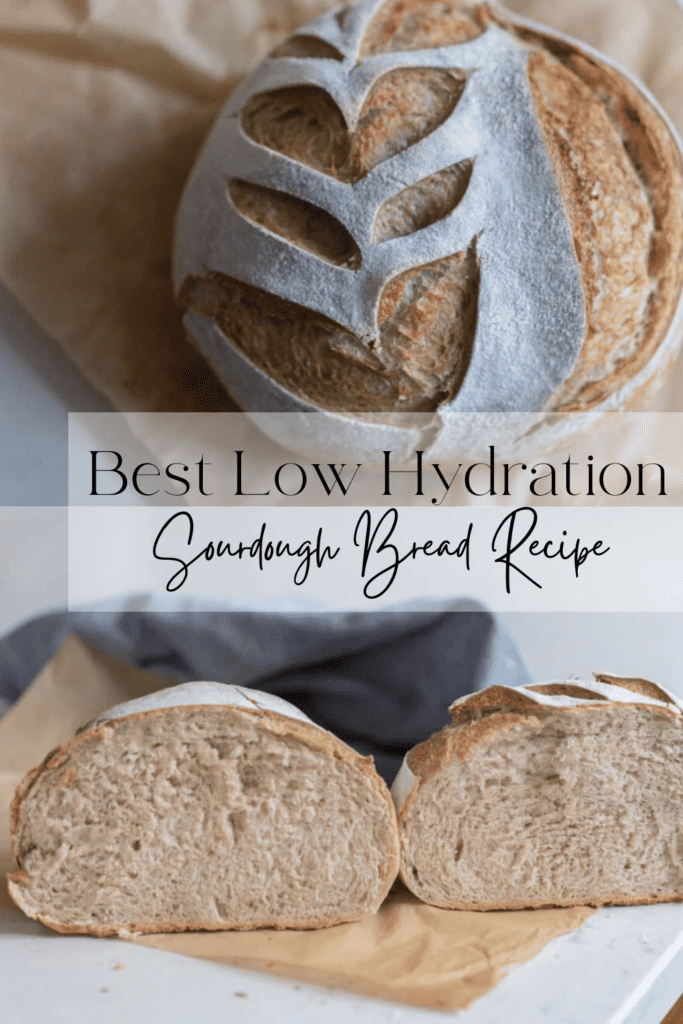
<point x="623" y="966"/>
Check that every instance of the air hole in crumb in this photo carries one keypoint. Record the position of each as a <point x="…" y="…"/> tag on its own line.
<point x="249" y="776"/>
<point x="238" y="822"/>
<point x="135" y="844"/>
<point x="458" y="850"/>
<point x="222" y="909"/>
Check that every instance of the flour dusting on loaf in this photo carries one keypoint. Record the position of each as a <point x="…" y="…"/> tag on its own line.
<point x="204" y="806"/>
<point x="554" y="794"/>
<point x="431" y="207"/>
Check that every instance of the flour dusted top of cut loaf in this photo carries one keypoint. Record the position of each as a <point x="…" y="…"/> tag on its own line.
<point x="200" y="693"/>
<point x="564" y="693"/>
<point x="570" y="693"/>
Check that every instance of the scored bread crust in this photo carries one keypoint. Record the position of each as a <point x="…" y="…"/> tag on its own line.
<point x="478" y="721"/>
<point x="619" y="175"/>
<point x="254" y="707"/>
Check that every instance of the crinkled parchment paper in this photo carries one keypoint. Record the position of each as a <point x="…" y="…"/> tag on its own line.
<point x="408" y="952"/>
<point x="103" y="106"/>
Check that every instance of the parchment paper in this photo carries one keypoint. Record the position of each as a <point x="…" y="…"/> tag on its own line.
<point x="103" y="106"/>
<point x="408" y="952"/>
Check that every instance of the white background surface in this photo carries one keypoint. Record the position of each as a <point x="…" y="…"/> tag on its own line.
<point x="622" y="967"/>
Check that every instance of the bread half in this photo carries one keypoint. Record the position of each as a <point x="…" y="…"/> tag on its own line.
<point x="204" y="806"/>
<point x="549" y="795"/>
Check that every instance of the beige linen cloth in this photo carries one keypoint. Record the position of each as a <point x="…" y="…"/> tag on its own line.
<point x="408" y="952"/>
<point x="103" y="106"/>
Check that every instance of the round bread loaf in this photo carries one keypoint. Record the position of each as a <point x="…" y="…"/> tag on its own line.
<point x="556" y="794"/>
<point x="429" y="208"/>
<point x="204" y="806"/>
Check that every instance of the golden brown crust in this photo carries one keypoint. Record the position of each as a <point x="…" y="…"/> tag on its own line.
<point x="427" y="320"/>
<point x="426" y="323"/>
<point x="414" y="25"/>
<point x="303" y="122"/>
<point x="282" y="725"/>
<point x="485" y="702"/>
<point x="306" y="352"/>
<point x="614" y="900"/>
<point x="565" y="690"/>
<point x="458" y="739"/>
<point x="644" y="687"/>
<point x="632" y="253"/>
<point x="611" y="221"/>
<point x="16" y="879"/>
<point x="308" y="227"/>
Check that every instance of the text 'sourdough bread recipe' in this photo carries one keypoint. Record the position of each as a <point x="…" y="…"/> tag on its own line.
<point x="420" y="206"/>
<point x="204" y="806"/>
<point x="555" y="794"/>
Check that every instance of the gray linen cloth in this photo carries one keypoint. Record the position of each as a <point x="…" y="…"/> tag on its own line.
<point x="382" y="681"/>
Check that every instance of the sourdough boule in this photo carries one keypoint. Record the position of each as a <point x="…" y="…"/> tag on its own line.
<point x="204" y="806"/>
<point x="426" y="208"/>
<point x="555" y="794"/>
